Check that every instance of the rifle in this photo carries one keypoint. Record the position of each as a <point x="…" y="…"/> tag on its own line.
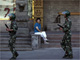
<point x="7" y="27"/>
<point x="58" y="27"/>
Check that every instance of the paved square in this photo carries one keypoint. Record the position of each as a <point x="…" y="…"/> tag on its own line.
<point x="41" y="54"/>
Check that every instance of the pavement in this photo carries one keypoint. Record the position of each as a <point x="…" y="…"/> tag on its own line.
<point x="41" y="54"/>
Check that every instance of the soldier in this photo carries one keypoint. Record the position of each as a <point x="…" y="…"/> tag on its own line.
<point x="12" y="32"/>
<point x="66" y="41"/>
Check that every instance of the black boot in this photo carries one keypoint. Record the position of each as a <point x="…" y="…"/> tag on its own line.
<point x="16" y="54"/>
<point x="65" y="56"/>
<point x="69" y="57"/>
<point x="12" y="58"/>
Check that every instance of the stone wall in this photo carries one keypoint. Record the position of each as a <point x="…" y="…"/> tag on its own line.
<point x="52" y="7"/>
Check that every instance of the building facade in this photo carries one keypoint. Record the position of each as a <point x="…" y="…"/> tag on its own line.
<point x="28" y="10"/>
<point x="48" y="10"/>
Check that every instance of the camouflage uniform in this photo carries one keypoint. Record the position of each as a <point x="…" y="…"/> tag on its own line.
<point x="13" y="38"/>
<point x="66" y="41"/>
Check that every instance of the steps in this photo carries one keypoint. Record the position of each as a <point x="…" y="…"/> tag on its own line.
<point x="23" y="43"/>
<point x="56" y="37"/>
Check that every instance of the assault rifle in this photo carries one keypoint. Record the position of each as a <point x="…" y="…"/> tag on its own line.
<point x="58" y="27"/>
<point x="7" y="27"/>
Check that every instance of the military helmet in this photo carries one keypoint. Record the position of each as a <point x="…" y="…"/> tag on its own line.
<point x="12" y="16"/>
<point x="67" y="13"/>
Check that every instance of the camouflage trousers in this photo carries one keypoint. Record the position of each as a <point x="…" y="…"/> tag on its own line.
<point x="66" y="44"/>
<point x="12" y="45"/>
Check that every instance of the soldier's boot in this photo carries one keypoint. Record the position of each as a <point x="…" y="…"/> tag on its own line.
<point x="65" y="56"/>
<point x="12" y="58"/>
<point x="16" y="54"/>
<point x="69" y="57"/>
